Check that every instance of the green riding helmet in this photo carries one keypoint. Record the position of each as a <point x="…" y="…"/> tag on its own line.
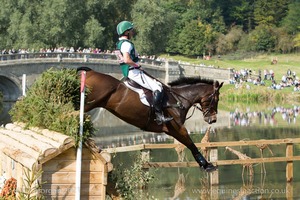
<point x="124" y="26"/>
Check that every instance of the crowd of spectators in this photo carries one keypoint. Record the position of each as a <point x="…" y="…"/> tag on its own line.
<point x="267" y="118"/>
<point x="11" y="53"/>
<point x="54" y="50"/>
<point x="246" y="75"/>
<point x="287" y="80"/>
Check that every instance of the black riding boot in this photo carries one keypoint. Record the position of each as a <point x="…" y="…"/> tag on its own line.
<point x="208" y="167"/>
<point x="157" y="102"/>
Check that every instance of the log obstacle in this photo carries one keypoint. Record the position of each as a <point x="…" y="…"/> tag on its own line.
<point x="35" y="149"/>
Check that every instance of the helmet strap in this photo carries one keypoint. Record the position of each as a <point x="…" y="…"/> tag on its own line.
<point x="127" y="35"/>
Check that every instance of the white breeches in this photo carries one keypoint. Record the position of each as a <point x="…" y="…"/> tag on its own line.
<point x="142" y="79"/>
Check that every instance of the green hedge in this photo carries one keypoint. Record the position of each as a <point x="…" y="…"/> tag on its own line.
<point x="52" y="102"/>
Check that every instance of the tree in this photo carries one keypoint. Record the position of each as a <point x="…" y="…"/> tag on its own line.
<point x="194" y="37"/>
<point x="109" y="13"/>
<point x="263" y="38"/>
<point x="297" y="40"/>
<point x="229" y="42"/>
<point x="93" y="32"/>
<point x="292" y="21"/>
<point x="269" y="12"/>
<point x="209" y="17"/>
<point x="153" y="24"/>
<point x="237" y="13"/>
<point x="284" y="42"/>
<point x="61" y="22"/>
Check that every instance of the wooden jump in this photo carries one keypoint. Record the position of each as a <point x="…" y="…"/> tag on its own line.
<point x="207" y="145"/>
<point x="213" y="147"/>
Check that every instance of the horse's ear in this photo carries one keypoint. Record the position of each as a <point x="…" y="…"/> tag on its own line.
<point x="218" y="85"/>
<point x="221" y="85"/>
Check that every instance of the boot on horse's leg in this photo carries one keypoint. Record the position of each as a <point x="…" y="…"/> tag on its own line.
<point x="157" y="103"/>
<point x="208" y="167"/>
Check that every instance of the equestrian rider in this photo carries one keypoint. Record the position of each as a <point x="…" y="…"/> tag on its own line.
<point x="131" y="68"/>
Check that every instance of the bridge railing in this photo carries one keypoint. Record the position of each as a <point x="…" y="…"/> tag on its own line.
<point x="61" y="56"/>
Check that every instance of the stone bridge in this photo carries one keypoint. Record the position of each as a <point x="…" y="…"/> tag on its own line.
<point x="19" y="71"/>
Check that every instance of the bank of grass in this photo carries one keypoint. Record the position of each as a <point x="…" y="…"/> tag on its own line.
<point x="255" y="62"/>
<point x="229" y="94"/>
<point x="258" y="94"/>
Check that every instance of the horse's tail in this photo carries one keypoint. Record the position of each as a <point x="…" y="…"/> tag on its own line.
<point x="83" y="68"/>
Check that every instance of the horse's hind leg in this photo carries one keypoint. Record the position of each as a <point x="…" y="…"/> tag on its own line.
<point x="182" y="136"/>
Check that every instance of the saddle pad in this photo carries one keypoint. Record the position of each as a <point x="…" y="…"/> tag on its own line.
<point x="141" y="93"/>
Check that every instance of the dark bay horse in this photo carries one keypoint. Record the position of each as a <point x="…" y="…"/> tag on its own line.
<point x="112" y="94"/>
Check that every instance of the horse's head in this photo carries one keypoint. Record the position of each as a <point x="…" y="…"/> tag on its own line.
<point x="209" y="104"/>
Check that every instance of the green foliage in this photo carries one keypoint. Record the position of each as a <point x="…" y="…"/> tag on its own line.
<point x="31" y="185"/>
<point x="52" y="102"/>
<point x="262" y="39"/>
<point x="291" y="22"/>
<point x="162" y="26"/>
<point x="297" y="40"/>
<point x="130" y="181"/>
<point x="257" y="94"/>
<point x="93" y="33"/>
<point x="61" y="22"/>
<point x="153" y="24"/>
<point x="193" y="38"/>
<point x="284" y="42"/>
<point x="239" y="12"/>
<point x="229" y="42"/>
<point x="270" y="12"/>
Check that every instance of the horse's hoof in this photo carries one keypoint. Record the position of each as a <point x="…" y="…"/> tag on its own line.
<point x="210" y="168"/>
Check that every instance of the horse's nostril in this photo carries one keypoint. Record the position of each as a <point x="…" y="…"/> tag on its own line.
<point x="210" y="120"/>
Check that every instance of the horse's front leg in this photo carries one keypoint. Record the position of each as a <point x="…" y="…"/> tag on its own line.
<point x="182" y="136"/>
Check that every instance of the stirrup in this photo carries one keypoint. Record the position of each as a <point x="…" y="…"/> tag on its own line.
<point x="160" y="118"/>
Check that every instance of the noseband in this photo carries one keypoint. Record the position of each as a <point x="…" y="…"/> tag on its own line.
<point x="212" y="98"/>
<point x="206" y="111"/>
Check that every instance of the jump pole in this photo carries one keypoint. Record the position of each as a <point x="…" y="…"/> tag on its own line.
<point x="24" y="85"/>
<point x="79" y="149"/>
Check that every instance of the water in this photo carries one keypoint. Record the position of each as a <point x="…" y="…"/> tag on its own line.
<point x="192" y="183"/>
<point x="4" y="116"/>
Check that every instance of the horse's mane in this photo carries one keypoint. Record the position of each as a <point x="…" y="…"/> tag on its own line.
<point x="190" y="81"/>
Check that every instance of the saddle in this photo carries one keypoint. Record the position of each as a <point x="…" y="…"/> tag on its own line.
<point x="145" y="94"/>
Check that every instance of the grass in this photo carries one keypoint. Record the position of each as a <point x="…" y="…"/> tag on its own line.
<point x="255" y="62"/>
<point x="257" y="95"/>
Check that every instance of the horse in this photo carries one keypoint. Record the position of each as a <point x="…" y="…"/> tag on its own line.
<point x="180" y="95"/>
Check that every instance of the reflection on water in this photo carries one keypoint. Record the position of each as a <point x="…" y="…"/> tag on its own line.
<point x="271" y="116"/>
<point x="113" y="132"/>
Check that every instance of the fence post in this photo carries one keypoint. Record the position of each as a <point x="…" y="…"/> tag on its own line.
<point x="213" y="156"/>
<point x="289" y="164"/>
<point x="289" y="191"/>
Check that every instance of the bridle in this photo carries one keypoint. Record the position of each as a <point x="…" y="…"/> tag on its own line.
<point x="206" y="111"/>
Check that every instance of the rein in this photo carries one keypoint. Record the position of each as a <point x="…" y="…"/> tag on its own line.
<point x="196" y="106"/>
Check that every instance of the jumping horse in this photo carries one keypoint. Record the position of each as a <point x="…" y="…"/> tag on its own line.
<point x="113" y="95"/>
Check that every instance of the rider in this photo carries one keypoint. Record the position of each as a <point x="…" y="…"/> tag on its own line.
<point x="131" y="68"/>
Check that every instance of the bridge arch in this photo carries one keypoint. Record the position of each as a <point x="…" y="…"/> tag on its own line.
<point x="10" y="86"/>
